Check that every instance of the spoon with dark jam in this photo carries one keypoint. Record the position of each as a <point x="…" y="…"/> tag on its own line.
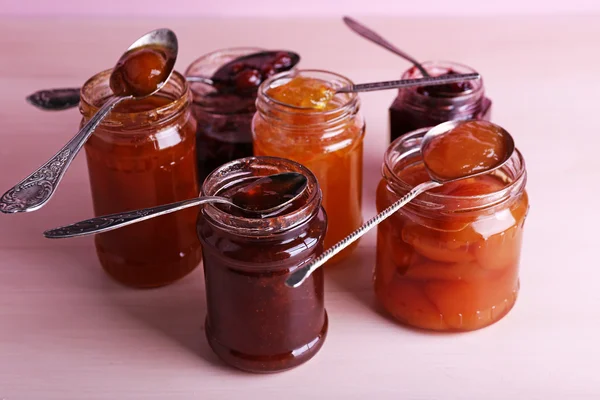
<point x="262" y="198"/>
<point x="241" y="75"/>
<point x="451" y="151"/>
<point x="140" y="72"/>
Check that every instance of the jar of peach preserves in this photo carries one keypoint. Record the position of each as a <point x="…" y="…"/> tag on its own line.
<point x="449" y="260"/>
<point x="327" y="141"/>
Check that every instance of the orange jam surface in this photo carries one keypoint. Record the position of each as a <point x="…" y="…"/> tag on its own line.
<point x="304" y="92"/>
<point x="324" y="137"/>
<point x="140" y="72"/>
<point x="454" y="271"/>
<point x="471" y="147"/>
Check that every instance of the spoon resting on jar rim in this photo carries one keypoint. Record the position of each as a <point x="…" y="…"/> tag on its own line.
<point x="481" y="147"/>
<point x="262" y="198"/>
<point x="140" y="72"/>
<point x="241" y="75"/>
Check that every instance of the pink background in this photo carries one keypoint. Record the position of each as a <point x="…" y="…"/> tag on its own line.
<point x="273" y="8"/>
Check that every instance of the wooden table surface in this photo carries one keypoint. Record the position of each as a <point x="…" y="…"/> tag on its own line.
<point x="69" y="332"/>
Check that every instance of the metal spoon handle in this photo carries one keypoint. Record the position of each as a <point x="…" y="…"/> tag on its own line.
<point x="404" y="83"/>
<point x="115" y="221"/>
<point x="35" y="190"/>
<point x="55" y="99"/>
<point x="377" y="39"/>
<point x="300" y="275"/>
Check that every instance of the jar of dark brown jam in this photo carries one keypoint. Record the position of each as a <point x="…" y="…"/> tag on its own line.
<point x="224" y="119"/>
<point x="254" y="321"/>
<point x="421" y="107"/>
<point x="143" y="155"/>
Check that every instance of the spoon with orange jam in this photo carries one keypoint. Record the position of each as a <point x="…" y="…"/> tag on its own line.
<point x="451" y="151"/>
<point x="140" y="72"/>
<point x="262" y="198"/>
<point x="305" y="92"/>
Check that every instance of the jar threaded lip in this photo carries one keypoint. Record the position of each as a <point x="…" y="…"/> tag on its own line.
<point x="407" y="147"/>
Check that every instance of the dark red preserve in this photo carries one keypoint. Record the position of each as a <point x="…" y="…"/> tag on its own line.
<point x="254" y="321"/>
<point x="422" y="107"/>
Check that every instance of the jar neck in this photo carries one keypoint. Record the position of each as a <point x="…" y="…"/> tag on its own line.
<point x="303" y="120"/>
<point x="235" y="172"/>
<point x="459" y="106"/>
<point x="175" y="99"/>
<point x="404" y="152"/>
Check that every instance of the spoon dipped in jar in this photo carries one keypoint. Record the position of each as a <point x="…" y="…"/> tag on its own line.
<point x="481" y="147"/>
<point x="242" y="74"/>
<point x="140" y="72"/>
<point x="263" y="197"/>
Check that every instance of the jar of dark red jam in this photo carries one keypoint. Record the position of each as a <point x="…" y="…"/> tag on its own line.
<point x="421" y="107"/>
<point x="449" y="260"/>
<point x="143" y="155"/>
<point x="224" y="119"/>
<point x="254" y="321"/>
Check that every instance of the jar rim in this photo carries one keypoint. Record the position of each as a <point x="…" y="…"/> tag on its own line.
<point x="411" y="143"/>
<point x="351" y="98"/>
<point x="233" y="172"/>
<point x="89" y="105"/>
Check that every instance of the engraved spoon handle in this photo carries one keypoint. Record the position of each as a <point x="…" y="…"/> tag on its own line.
<point x="403" y="83"/>
<point x="374" y="37"/>
<point x="115" y="221"/>
<point x="300" y="275"/>
<point x="34" y="191"/>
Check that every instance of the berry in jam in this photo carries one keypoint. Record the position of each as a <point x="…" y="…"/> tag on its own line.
<point x="448" y="89"/>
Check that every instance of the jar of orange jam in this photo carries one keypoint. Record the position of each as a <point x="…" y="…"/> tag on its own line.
<point x="328" y="140"/>
<point x="254" y="321"/>
<point x="143" y="155"/>
<point x="449" y="260"/>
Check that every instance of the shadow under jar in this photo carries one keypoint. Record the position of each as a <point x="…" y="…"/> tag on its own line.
<point x="224" y="119"/>
<point x="329" y="142"/>
<point x="421" y="107"/>
<point x="143" y="155"/>
<point x="449" y="260"/>
<point x="254" y="321"/>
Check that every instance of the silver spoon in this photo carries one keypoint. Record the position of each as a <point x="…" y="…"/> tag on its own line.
<point x="375" y="38"/>
<point x="404" y="83"/>
<point x="300" y="275"/>
<point x="280" y="190"/>
<point x="65" y="98"/>
<point x="35" y="190"/>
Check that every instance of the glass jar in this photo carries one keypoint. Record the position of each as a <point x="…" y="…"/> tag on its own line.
<point x="449" y="260"/>
<point x="329" y="143"/>
<point x="254" y="321"/>
<point x="224" y="120"/>
<point x="415" y="108"/>
<point x="143" y="155"/>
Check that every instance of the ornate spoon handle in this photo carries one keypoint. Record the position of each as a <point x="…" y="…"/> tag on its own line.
<point x="55" y="99"/>
<point x="115" y="221"/>
<point x="375" y="38"/>
<point x="34" y="191"/>
<point x="300" y="275"/>
<point x="403" y="83"/>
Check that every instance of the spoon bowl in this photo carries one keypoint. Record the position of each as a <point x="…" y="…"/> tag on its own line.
<point x="429" y="140"/>
<point x="261" y="198"/>
<point x="35" y="191"/>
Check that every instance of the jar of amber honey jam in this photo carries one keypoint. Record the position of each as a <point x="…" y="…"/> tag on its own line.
<point x="254" y="321"/>
<point x="421" y="107"/>
<point x="327" y="140"/>
<point x="143" y="155"/>
<point x="224" y="119"/>
<point x="449" y="260"/>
